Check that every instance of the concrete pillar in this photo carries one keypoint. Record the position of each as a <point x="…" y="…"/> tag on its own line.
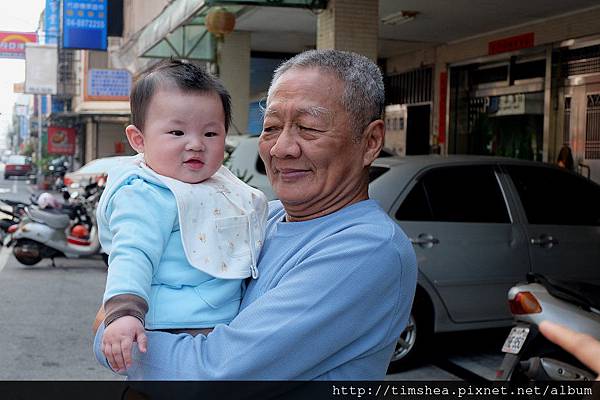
<point x="350" y="25"/>
<point x="91" y="139"/>
<point x="234" y="71"/>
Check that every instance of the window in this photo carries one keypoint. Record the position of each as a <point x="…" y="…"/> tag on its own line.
<point x="376" y="172"/>
<point x="555" y="197"/>
<point x="456" y="194"/>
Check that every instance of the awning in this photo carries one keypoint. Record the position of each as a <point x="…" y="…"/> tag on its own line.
<point x="153" y="40"/>
<point x="179" y="31"/>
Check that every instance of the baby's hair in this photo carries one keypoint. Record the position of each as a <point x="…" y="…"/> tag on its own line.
<point x="187" y="76"/>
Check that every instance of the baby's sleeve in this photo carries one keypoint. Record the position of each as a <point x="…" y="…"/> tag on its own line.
<point x="140" y="219"/>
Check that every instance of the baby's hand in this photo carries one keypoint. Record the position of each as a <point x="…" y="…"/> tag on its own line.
<point x="118" y="340"/>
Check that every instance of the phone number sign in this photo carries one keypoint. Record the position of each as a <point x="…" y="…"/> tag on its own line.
<point x="84" y="24"/>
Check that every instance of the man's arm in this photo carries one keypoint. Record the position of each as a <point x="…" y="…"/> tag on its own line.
<point x="331" y="308"/>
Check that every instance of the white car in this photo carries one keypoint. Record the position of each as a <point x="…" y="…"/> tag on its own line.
<point x="247" y="165"/>
<point x="91" y="172"/>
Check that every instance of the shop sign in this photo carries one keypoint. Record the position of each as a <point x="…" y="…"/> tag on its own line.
<point x="108" y="84"/>
<point x="61" y="140"/>
<point x="21" y="110"/>
<point x="51" y="19"/>
<point x="84" y="24"/>
<point x="19" y="87"/>
<point x="41" y="69"/>
<point x="12" y="44"/>
<point x="512" y="43"/>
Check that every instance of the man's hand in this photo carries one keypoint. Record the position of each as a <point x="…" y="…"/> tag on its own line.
<point x="118" y="340"/>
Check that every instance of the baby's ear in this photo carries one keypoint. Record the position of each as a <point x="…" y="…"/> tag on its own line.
<point x="135" y="137"/>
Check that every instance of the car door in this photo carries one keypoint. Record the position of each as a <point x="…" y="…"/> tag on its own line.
<point x="466" y="244"/>
<point x="563" y="221"/>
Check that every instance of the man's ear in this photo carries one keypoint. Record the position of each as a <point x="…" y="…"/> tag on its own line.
<point x="135" y="137"/>
<point x="373" y="136"/>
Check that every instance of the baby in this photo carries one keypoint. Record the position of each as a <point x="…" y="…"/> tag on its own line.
<point x="181" y="231"/>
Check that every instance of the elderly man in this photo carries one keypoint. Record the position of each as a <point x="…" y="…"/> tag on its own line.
<point x="337" y="275"/>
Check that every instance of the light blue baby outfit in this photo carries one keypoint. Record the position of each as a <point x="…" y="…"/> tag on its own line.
<point x="185" y="254"/>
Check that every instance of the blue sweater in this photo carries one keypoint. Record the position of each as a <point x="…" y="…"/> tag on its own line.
<point x="333" y="296"/>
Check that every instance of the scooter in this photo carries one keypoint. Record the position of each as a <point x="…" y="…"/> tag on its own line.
<point x="58" y="169"/>
<point x="529" y="356"/>
<point x="69" y="231"/>
<point x="12" y="212"/>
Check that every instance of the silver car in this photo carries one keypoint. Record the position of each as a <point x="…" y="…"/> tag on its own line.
<point x="478" y="225"/>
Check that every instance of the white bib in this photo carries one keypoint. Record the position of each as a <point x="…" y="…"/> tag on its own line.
<point x="222" y="222"/>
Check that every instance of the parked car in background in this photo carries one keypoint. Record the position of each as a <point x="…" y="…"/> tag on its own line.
<point x="247" y="165"/>
<point x="17" y="165"/>
<point x="478" y="226"/>
<point x="91" y="172"/>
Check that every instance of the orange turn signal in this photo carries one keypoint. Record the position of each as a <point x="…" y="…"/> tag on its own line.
<point x="525" y="303"/>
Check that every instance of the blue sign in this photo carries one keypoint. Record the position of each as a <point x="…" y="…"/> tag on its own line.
<point x="59" y="105"/>
<point x="51" y="20"/>
<point x="113" y="83"/>
<point x="23" y="127"/>
<point x="44" y="105"/>
<point x="84" y="24"/>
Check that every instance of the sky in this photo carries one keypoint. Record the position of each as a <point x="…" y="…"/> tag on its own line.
<point x="19" y="16"/>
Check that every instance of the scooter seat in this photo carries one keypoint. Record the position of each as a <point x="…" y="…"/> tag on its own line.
<point x="54" y="219"/>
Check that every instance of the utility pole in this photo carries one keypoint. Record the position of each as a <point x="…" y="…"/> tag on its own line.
<point x="39" y="175"/>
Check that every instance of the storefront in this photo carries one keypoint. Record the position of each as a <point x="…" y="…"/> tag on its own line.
<point x="577" y="65"/>
<point x="497" y="107"/>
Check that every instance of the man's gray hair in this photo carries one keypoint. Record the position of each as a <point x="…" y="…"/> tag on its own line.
<point x="364" y="96"/>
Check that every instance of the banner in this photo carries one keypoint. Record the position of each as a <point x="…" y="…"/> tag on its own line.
<point x="40" y="69"/>
<point x="12" y="44"/>
<point x="61" y="140"/>
<point x="23" y="127"/>
<point x="51" y="19"/>
<point x="84" y="24"/>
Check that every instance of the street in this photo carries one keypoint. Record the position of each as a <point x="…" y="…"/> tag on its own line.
<point x="47" y="312"/>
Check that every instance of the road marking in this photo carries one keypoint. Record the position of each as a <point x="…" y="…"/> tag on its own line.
<point x="14" y="186"/>
<point x="4" y="255"/>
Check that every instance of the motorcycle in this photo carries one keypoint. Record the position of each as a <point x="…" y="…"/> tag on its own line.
<point x="69" y="231"/>
<point x="58" y="169"/>
<point x="529" y="356"/>
<point x="13" y="211"/>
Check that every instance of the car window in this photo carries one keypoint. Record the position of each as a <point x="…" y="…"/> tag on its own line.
<point x="17" y="160"/>
<point x="554" y="197"/>
<point x="456" y="194"/>
<point x="260" y="166"/>
<point x="376" y="172"/>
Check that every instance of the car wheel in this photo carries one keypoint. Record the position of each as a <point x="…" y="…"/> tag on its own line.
<point x="6" y="177"/>
<point x="411" y="345"/>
